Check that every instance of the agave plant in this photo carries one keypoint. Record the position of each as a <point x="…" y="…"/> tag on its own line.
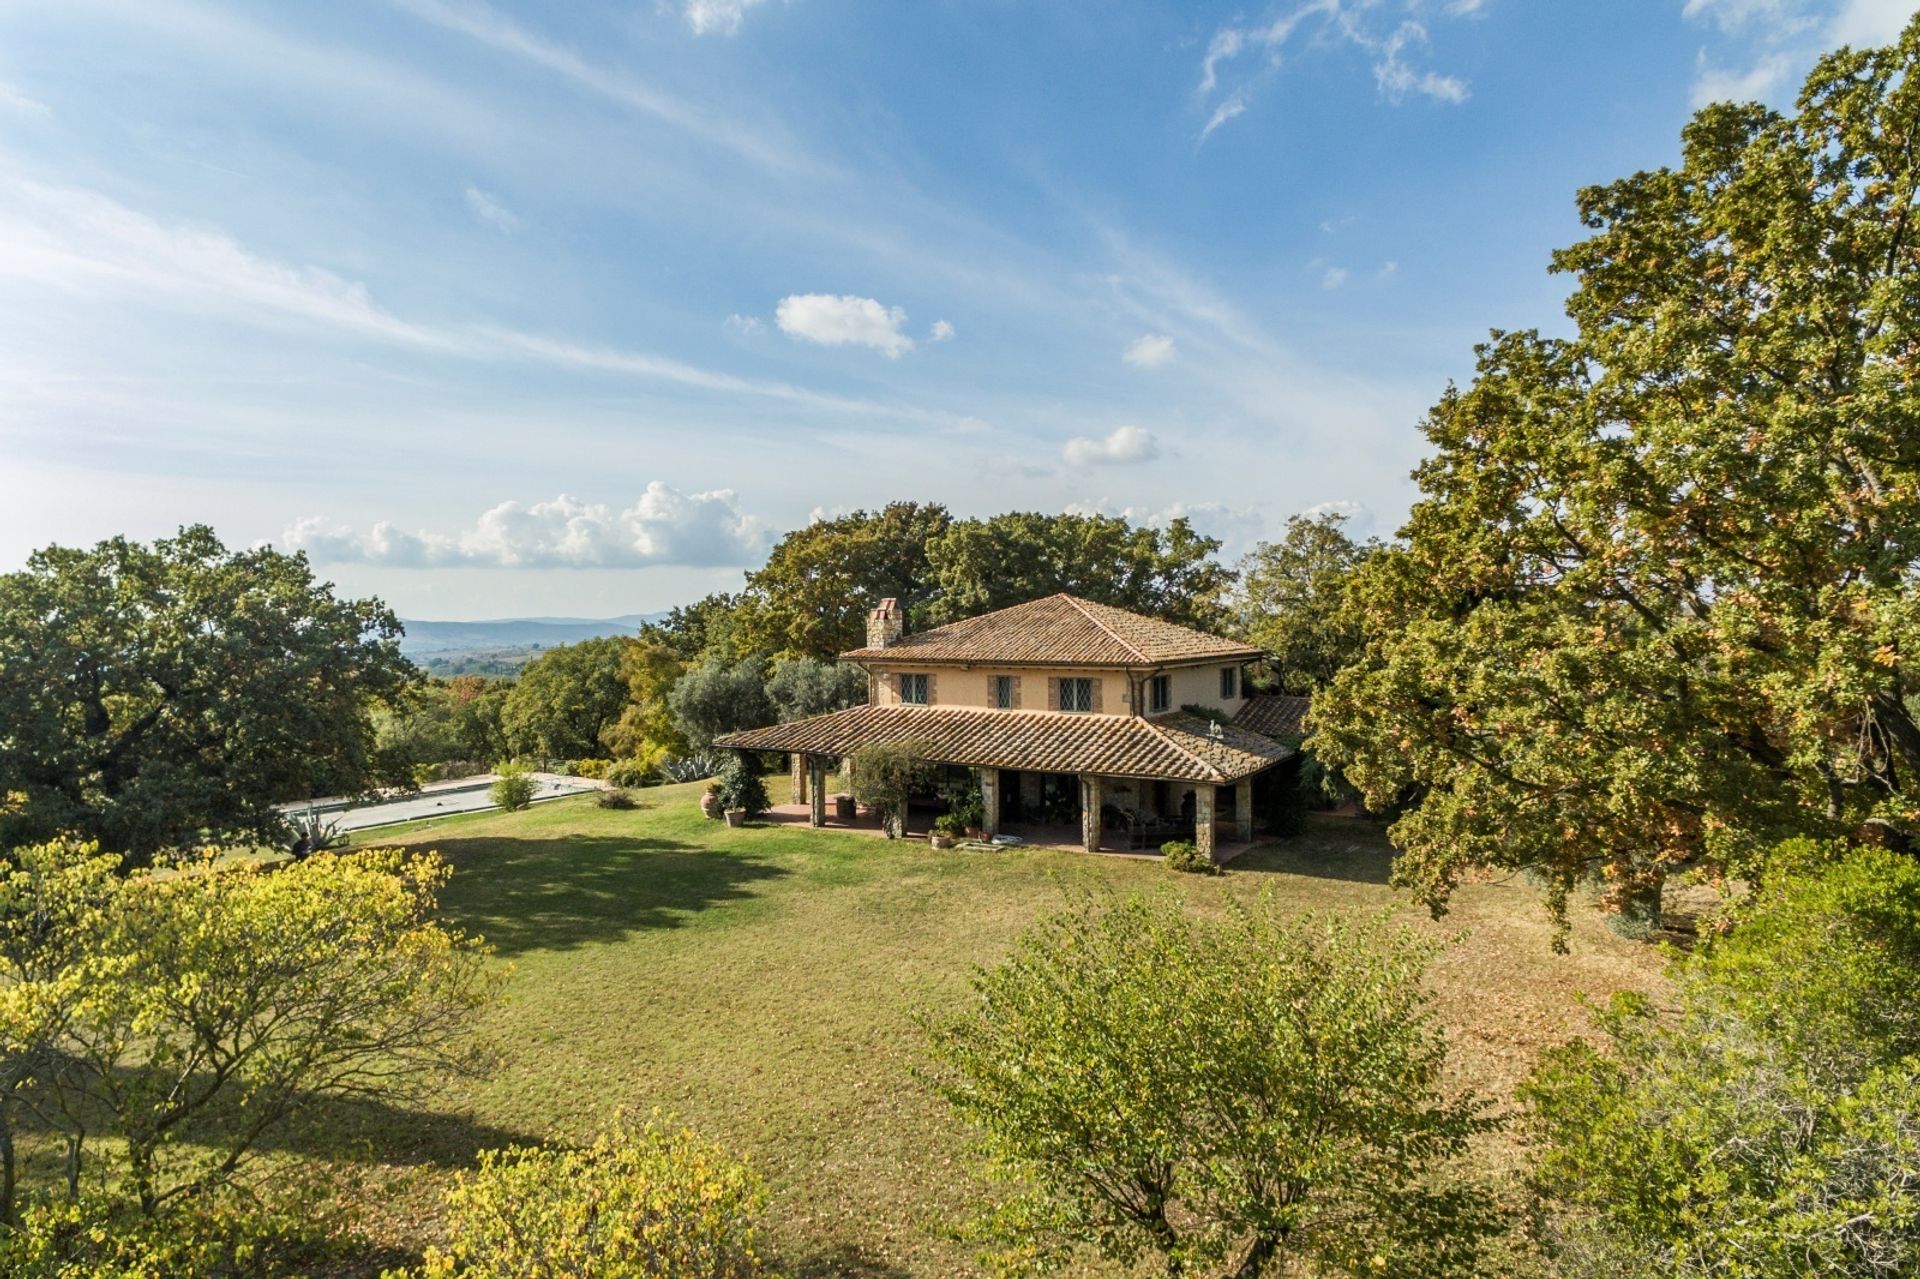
<point x="690" y="768"/>
<point x="315" y="834"/>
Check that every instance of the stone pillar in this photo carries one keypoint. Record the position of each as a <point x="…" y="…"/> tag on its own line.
<point x="1243" y="810"/>
<point x="1091" y="798"/>
<point x="1203" y="819"/>
<point x="989" y="779"/>
<point x="817" y="776"/>
<point x="800" y="769"/>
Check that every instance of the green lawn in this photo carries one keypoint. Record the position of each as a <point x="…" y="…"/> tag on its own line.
<point x="758" y="984"/>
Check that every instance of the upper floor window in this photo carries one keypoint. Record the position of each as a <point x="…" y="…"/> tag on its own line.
<point x="1229" y="677"/>
<point x="913" y="689"/>
<point x="1160" y="693"/>
<point x="1003" y="692"/>
<point x="1076" y="694"/>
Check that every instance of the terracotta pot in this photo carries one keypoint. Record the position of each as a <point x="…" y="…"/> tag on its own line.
<point x="736" y="817"/>
<point x="939" y="839"/>
<point x="843" y="807"/>
<point x="710" y="805"/>
<point x="976" y="832"/>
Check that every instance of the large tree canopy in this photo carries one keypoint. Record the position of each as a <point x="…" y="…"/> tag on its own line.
<point x="1293" y="601"/>
<point x="567" y="699"/>
<point x="982" y="565"/>
<point x="155" y="696"/>
<point x="1657" y="605"/>
<point x="811" y="597"/>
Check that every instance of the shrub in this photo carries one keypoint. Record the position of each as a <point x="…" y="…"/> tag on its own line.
<point x="739" y="786"/>
<point x="885" y="776"/>
<point x="1184" y="855"/>
<point x="221" y="1234"/>
<point x="967" y="807"/>
<point x="1265" y="1088"/>
<point x="948" y="824"/>
<point x="643" y="1203"/>
<point x="513" y="787"/>
<point x="633" y="772"/>
<point x="618" y="797"/>
<point x="1765" y="1120"/>
<point x="591" y="769"/>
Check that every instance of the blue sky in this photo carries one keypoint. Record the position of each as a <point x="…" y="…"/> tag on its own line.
<point x="539" y="309"/>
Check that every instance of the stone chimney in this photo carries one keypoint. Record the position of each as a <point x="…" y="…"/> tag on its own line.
<point x="886" y="624"/>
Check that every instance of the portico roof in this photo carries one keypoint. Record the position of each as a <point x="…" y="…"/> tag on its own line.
<point x="1176" y="747"/>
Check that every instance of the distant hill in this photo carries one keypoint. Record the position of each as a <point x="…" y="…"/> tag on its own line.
<point x="503" y="645"/>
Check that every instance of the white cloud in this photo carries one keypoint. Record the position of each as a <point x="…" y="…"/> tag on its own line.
<point x="842" y="320"/>
<point x="941" y="331"/>
<point x="665" y="527"/>
<point x="746" y="325"/>
<point x="1333" y="277"/>
<point x="11" y="99"/>
<point x="489" y="210"/>
<point x="1718" y="84"/>
<point x="1865" y="22"/>
<point x="1396" y="79"/>
<point x="1124" y="446"/>
<point x="1150" y="351"/>
<point x="717" y="17"/>
<point x="1329" y="22"/>
<point x="1388" y="270"/>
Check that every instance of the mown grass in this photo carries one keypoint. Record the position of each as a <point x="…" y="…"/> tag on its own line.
<point x="759" y="984"/>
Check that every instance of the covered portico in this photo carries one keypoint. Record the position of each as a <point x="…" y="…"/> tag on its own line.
<point x="1126" y="773"/>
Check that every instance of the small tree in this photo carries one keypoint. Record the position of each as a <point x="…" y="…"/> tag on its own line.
<point x="739" y="785"/>
<point x="885" y="777"/>
<point x="803" y="686"/>
<point x="1260" y="1090"/>
<point x="1769" y="1125"/>
<point x="643" y="1203"/>
<point x="513" y="787"/>
<point x="719" y="697"/>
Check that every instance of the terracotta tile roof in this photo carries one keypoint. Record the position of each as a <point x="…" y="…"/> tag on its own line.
<point x="1274" y="716"/>
<point x="1060" y="630"/>
<point x="1178" y="747"/>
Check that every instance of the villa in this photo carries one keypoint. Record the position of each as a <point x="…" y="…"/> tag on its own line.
<point x="1065" y="711"/>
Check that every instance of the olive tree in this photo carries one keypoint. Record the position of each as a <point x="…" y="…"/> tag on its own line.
<point x="886" y="776"/>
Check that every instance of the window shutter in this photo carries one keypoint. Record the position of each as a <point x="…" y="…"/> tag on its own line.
<point x="930" y="697"/>
<point x="1016" y="692"/>
<point x="1053" y="694"/>
<point x="1097" y="685"/>
<point x="891" y="683"/>
<point x="993" y="691"/>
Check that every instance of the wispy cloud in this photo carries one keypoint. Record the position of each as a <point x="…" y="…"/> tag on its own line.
<point x="942" y="331"/>
<point x="664" y="527"/>
<point x="1125" y="446"/>
<point x="1781" y="38"/>
<point x="1149" y="351"/>
<point x="1322" y="23"/>
<point x="490" y="211"/>
<point x="717" y="17"/>
<point x="11" y="99"/>
<point x="480" y="23"/>
<point x="1333" y="277"/>
<point x="829" y="319"/>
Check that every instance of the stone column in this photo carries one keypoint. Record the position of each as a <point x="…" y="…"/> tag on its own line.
<point x="1203" y="819"/>
<point x="1091" y="797"/>
<point x="817" y="777"/>
<point x="800" y="770"/>
<point x="989" y="779"/>
<point x="1243" y="810"/>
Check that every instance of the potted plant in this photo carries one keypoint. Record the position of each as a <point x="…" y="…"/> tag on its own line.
<point x="739" y="792"/>
<point x="945" y="832"/>
<point x="968" y="809"/>
<point x="710" y="801"/>
<point x="736" y="816"/>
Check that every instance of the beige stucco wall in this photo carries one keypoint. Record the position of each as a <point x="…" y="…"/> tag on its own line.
<point x="953" y="686"/>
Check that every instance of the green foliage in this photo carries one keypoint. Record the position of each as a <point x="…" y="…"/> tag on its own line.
<point x="1768" y="1125"/>
<point x="639" y="1203"/>
<point x="513" y="787"/>
<point x="216" y="1000"/>
<point x="646" y="728"/>
<point x="158" y="695"/>
<point x="1263" y="1088"/>
<point x="642" y="770"/>
<point x="1183" y="855"/>
<point x="803" y="686"/>
<point x="718" y="697"/>
<point x="886" y="775"/>
<point x="948" y="824"/>
<point x="1656" y="607"/>
<point x="567" y="699"/>
<point x="708" y="627"/>
<point x="739" y="785"/>
<point x="967" y="806"/>
<point x="981" y="565"/>
<point x="1293" y="601"/>
<point x="222" y="1234"/>
<point x="619" y="797"/>
<point x="811" y="597"/>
